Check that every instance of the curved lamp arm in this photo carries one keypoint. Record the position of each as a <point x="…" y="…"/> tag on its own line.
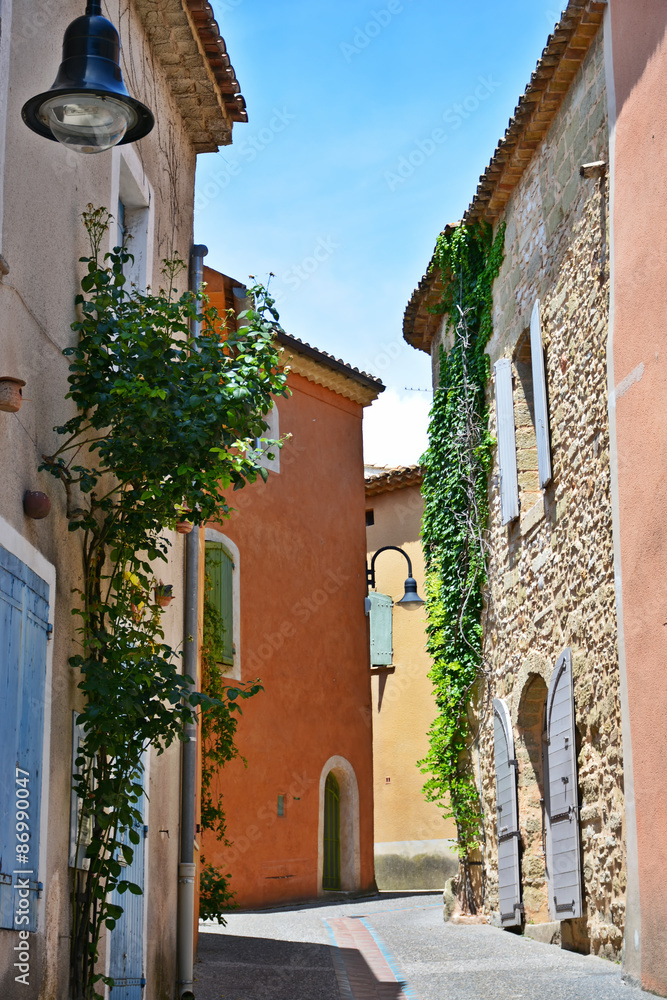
<point x="370" y="573"/>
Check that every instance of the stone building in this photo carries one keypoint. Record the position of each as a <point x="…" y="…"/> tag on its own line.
<point x="551" y="747"/>
<point x="174" y="61"/>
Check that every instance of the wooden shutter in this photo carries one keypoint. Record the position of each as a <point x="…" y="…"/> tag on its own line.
<point x="540" y="397"/>
<point x="220" y="569"/>
<point x="507" y="810"/>
<point x="78" y="859"/>
<point x="126" y="946"/>
<point x="563" y="856"/>
<point x="23" y="640"/>
<point x="509" y="483"/>
<point x="382" y="651"/>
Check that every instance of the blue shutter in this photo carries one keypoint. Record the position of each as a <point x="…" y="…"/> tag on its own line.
<point x="563" y="854"/>
<point x="509" y="482"/>
<point x="23" y="639"/>
<point x="507" y="811"/>
<point x="540" y="397"/>
<point x="382" y="651"/>
<point x="126" y="959"/>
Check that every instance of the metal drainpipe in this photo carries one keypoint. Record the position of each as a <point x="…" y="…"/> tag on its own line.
<point x="187" y="868"/>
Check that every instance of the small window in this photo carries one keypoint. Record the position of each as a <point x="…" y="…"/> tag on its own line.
<point x="370" y="518"/>
<point x="524" y="418"/>
<point x="219" y="569"/>
<point x="281" y="805"/>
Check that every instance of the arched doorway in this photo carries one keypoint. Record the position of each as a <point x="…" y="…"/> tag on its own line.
<point x="532" y="736"/>
<point x="338" y="808"/>
<point x="331" y="871"/>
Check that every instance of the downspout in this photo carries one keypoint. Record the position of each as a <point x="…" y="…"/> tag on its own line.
<point x="187" y="869"/>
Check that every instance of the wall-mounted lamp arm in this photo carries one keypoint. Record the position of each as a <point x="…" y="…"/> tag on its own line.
<point x="370" y="573"/>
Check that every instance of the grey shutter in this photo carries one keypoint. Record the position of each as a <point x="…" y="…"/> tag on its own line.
<point x="540" y="397"/>
<point x="509" y="483"/>
<point x="382" y="653"/>
<point x="78" y="859"/>
<point x="507" y="811"/>
<point x="563" y="857"/>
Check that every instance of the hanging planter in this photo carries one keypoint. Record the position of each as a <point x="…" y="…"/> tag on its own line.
<point x="163" y="594"/>
<point x="11" y="393"/>
<point x="184" y="527"/>
<point x="36" y="504"/>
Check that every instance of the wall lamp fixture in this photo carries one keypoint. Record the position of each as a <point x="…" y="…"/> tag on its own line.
<point x="88" y="108"/>
<point x="410" y="596"/>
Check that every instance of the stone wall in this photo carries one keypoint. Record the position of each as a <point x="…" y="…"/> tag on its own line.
<point x="551" y="582"/>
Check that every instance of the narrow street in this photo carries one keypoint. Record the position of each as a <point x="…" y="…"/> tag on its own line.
<point x="392" y="947"/>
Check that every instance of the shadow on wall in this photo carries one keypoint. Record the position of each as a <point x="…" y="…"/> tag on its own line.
<point x="257" y="968"/>
<point x="423" y="871"/>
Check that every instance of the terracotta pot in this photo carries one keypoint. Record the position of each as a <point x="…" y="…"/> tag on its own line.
<point x="36" y="505"/>
<point x="164" y="600"/>
<point x="184" y="527"/>
<point x="10" y="393"/>
<point x="163" y="595"/>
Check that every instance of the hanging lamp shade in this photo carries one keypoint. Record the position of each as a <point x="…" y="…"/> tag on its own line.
<point x="410" y="595"/>
<point x="88" y="108"/>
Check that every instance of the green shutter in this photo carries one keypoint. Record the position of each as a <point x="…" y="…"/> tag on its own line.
<point x="382" y="652"/>
<point x="220" y="568"/>
<point x="331" y="871"/>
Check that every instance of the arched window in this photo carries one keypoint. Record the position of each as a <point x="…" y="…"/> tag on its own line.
<point x="331" y="872"/>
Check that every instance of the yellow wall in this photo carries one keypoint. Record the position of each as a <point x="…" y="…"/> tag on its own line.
<point x="408" y="830"/>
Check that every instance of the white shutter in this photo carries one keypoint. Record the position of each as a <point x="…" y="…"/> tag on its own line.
<point x="563" y="856"/>
<point x="382" y="652"/>
<point x="509" y="880"/>
<point x="509" y="483"/>
<point x="540" y="397"/>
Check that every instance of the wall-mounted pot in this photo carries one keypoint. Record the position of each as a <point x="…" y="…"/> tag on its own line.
<point x="163" y="594"/>
<point x="184" y="527"/>
<point x="36" y="504"/>
<point x="10" y="393"/>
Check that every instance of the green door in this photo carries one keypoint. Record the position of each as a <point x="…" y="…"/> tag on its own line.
<point x="331" y="874"/>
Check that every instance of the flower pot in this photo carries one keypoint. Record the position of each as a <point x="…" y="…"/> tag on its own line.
<point x="184" y="527"/>
<point x="163" y="594"/>
<point x="10" y="393"/>
<point x="36" y="505"/>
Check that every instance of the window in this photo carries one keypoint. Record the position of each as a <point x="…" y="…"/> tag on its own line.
<point x="133" y="197"/>
<point x="370" y="518"/>
<point x="219" y="569"/>
<point x="281" y="806"/>
<point x="270" y="457"/>
<point x="24" y="610"/>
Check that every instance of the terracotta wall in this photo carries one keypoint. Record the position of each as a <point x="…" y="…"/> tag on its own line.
<point x="301" y="547"/>
<point x="637" y="38"/>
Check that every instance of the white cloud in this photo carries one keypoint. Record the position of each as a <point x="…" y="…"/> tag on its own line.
<point x="396" y="428"/>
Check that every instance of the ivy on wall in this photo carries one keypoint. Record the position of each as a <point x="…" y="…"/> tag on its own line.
<point x="164" y="427"/>
<point x="456" y="468"/>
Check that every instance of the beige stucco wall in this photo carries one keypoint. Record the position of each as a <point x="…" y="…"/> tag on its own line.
<point x="412" y="841"/>
<point x="45" y="190"/>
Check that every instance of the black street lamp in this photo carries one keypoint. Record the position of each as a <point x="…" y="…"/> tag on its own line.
<point x="88" y="107"/>
<point x="410" y="596"/>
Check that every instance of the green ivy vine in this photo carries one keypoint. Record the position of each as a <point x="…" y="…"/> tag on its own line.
<point x="218" y="732"/>
<point x="164" y="426"/>
<point x="456" y="468"/>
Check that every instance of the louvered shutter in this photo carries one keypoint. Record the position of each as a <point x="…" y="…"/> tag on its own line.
<point x="509" y="483"/>
<point x="507" y="810"/>
<point x="78" y="859"/>
<point x="220" y="569"/>
<point x="382" y="652"/>
<point x="540" y="397"/>
<point x="563" y="856"/>
<point x="126" y="946"/>
<point x="23" y="641"/>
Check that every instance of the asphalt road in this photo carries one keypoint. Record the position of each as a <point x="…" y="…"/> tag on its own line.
<point x="392" y="946"/>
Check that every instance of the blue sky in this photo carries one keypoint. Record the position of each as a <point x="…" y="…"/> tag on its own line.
<point x="369" y="125"/>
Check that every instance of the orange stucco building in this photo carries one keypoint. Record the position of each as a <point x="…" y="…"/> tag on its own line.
<point x="297" y="547"/>
<point x="636" y="55"/>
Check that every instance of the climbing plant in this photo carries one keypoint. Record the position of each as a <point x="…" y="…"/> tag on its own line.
<point x="164" y="428"/>
<point x="456" y="467"/>
<point x="218" y="747"/>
